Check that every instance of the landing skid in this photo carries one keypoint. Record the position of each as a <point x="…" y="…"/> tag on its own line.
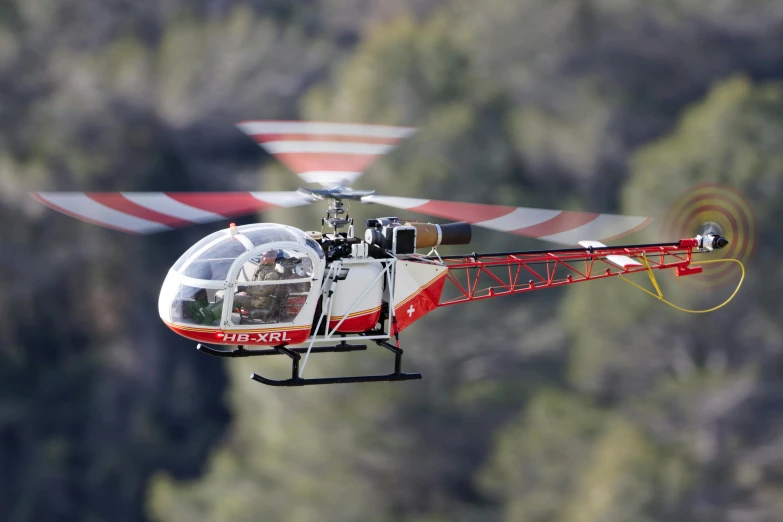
<point x="295" y="355"/>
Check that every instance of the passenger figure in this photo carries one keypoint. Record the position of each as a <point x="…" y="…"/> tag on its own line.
<point x="201" y="311"/>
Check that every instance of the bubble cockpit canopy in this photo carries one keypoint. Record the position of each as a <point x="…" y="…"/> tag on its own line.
<point x="243" y="276"/>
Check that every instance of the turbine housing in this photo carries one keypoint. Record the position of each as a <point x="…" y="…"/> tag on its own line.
<point x="390" y="234"/>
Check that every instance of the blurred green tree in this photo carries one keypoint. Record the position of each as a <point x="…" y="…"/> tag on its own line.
<point x="565" y="459"/>
<point x="705" y="376"/>
<point x="530" y="102"/>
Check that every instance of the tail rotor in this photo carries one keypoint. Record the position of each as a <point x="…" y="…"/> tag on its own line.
<point x="719" y="212"/>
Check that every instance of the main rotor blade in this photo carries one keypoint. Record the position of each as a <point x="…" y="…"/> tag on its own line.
<point x="559" y="226"/>
<point x="151" y="212"/>
<point x="331" y="154"/>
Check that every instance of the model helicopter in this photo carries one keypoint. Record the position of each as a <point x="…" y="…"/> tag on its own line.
<point x="296" y="292"/>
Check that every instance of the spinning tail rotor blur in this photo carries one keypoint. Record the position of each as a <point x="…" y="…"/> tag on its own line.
<point x="715" y="209"/>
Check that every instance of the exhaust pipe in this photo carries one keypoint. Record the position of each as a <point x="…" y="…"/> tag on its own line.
<point x="430" y="234"/>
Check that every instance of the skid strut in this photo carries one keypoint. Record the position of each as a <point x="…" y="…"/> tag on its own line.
<point x="295" y="355"/>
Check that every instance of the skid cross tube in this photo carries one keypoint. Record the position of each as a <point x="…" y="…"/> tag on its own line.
<point x="475" y="276"/>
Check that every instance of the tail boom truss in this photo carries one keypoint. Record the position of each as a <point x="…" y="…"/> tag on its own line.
<point x="482" y="276"/>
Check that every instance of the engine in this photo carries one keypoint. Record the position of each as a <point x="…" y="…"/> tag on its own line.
<point x="390" y="235"/>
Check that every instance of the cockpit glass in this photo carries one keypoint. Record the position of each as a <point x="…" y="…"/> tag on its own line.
<point x="268" y="234"/>
<point x="198" y="246"/>
<point x="314" y="245"/>
<point x="272" y="302"/>
<point x="197" y="306"/>
<point x="234" y="275"/>
<point x="272" y="287"/>
<point x="214" y="263"/>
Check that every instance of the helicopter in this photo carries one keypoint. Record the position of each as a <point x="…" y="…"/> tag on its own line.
<point x="272" y="289"/>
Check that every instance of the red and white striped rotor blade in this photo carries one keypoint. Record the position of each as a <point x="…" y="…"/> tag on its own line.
<point x="151" y="212"/>
<point x="559" y="226"/>
<point x="331" y="154"/>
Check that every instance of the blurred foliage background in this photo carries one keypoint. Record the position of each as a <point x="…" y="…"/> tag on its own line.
<point x="592" y="403"/>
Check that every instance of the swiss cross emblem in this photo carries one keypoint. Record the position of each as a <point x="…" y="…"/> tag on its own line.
<point x="410" y="311"/>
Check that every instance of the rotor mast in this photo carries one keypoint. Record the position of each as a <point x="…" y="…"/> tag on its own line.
<point x="334" y="215"/>
<point x="336" y="210"/>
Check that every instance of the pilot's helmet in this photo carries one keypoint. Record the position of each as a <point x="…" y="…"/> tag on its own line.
<point x="269" y="257"/>
<point x="266" y="261"/>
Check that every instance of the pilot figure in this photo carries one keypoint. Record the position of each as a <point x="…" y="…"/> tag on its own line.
<point x="263" y="298"/>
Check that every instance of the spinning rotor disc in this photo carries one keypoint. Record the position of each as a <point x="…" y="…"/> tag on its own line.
<point x="714" y="208"/>
<point x="332" y="155"/>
